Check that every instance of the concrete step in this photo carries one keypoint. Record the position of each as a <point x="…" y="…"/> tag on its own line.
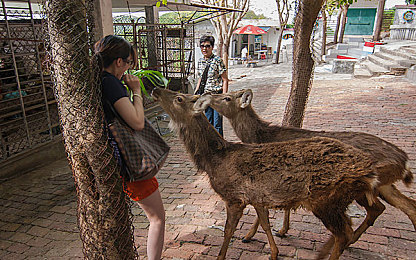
<point x="373" y="68"/>
<point x="397" y="59"/>
<point x="409" y="49"/>
<point x="387" y="64"/>
<point x="402" y="52"/>
<point x="411" y="74"/>
<point x="362" y="73"/>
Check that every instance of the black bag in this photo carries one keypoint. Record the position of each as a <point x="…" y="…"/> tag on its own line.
<point x="204" y="78"/>
<point x="144" y="152"/>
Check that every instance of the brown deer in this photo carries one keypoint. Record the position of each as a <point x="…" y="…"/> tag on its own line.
<point x="390" y="161"/>
<point x="320" y="174"/>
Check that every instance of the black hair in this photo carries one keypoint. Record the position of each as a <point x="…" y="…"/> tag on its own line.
<point x="112" y="47"/>
<point x="207" y="38"/>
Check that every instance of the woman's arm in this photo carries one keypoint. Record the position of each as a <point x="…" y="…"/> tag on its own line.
<point x="132" y="113"/>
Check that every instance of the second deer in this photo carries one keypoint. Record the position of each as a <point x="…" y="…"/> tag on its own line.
<point x="390" y="161"/>
<point x="320" y="174"/>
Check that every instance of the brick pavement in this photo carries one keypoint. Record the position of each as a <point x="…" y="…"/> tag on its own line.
<point x="38" y="210"/>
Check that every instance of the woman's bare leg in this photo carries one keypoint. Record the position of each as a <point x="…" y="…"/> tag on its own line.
<point x="153" y="207"/>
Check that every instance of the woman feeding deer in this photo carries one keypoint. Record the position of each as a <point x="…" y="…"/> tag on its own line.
<point x="115" y="56"/>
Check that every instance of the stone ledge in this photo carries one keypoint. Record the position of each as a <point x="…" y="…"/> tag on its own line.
<point x="30" y="159"/>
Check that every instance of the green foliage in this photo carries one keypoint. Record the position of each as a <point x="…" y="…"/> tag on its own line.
<point x="340" y="3"/>
<point x="164" y="2"/>
<point x="410" y="2"/>
<point x="178" y="17"/>
<point x="155" y="77"/>
<point x="252" y="15"/>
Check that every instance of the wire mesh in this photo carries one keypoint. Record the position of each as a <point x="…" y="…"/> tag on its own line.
<point x="303" y="63"/>
<point x="104" y="216"/>
<point x="168" y="48"/>
<point x="28" y="112"/>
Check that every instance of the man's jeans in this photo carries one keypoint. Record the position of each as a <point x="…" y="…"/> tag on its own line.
<point x="215" y="119"/>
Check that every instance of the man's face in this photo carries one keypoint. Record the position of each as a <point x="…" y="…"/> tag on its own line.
<point x="206" y="49"/>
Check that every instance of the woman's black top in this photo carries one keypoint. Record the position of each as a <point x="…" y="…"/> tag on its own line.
<point x="113" y="90"/>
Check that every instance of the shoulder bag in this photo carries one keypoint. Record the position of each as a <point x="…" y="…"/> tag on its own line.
<point x="144" y="152"/>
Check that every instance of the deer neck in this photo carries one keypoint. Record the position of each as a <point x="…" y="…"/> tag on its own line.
<point x="248" y="126"/>
<point x="202" y="141"/>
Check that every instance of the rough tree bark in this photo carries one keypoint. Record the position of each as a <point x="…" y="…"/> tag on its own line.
<point x="283" y="7"/>
<point x="303" y="63"/>
<point x="343" y="22"/>
<point x="336" y="33"/>
<point x="103" y="212"/>
<point x="324" y="26"/>
<point x="279" y="45"/>
<point x="379" y="20"/>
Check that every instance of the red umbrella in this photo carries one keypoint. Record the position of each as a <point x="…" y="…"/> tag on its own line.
<point x="249" y="29"/>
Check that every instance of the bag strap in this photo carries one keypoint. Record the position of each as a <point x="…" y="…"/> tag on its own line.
<point x="114" y="114"/>
<point x="203" y="80"/>
<point x="205" y="74"/>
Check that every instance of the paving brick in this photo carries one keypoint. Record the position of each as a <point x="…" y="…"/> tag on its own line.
<point x="38" y="231"/>
<point x="18" y="248"/>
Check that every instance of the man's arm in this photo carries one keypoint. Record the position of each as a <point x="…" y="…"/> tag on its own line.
<point x="225" y="80"/>
<point x="197" y="85"/>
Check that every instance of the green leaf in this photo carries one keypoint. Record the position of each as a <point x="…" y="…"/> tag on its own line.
<point x="155" y="77"/>
<point x="158" y="4"/>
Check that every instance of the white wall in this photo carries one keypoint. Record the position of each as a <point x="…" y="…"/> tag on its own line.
<point x="365" y="4"/>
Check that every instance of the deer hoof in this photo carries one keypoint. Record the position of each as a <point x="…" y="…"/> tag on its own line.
<point x="281" y="234"/>
<point x="246" y="240"/>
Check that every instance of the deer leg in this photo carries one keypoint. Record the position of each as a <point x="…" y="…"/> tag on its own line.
<point x="340" y="226"/>
<point x="263" y="216"/>
<point x="394" y="197"/>
<point x="253" y="230"/>
<point x="234" y="213"/>
<point x="373" y="212"/>
<point x="282" y="232"/>
<point x="341" y="241"/>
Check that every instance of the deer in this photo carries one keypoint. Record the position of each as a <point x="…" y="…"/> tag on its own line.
<point x="320" y="174"/>
<point x="391" y="162"/>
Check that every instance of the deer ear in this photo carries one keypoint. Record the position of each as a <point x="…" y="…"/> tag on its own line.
<point x="246" y="98"/>
<point x="202" y="103"/>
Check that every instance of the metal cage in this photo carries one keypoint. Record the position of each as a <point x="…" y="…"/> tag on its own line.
<point x="28" y="111"/>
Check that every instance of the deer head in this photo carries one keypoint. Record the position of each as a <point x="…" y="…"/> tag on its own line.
<point x="228" y="104"/>
<point x="179" y="106"/>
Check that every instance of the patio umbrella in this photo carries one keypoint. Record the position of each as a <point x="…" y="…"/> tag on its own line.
<point x="249" y="29"/>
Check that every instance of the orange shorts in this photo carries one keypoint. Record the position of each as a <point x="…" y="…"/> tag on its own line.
<point x="138" y="190"/>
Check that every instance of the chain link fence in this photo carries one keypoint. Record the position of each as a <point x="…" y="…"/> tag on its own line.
<point x="104" y="216"/>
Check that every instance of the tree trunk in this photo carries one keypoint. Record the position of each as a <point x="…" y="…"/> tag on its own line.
<point x="379" y="20"/>
<point x="337" y="26"/>
<point x="324" y="25"/>
<point x="344" y="22"/>
<point x="103" y="212"/>
<point x="225" y="51"/>
<point x="279" y="44"/>
<point x="303" y="63"/>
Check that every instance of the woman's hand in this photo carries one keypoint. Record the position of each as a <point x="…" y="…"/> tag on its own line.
<point x="133" y="83"/>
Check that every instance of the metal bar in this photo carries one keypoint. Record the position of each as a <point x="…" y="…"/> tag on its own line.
<point x="39" y="63"/>
<point x="16" y="74"/>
